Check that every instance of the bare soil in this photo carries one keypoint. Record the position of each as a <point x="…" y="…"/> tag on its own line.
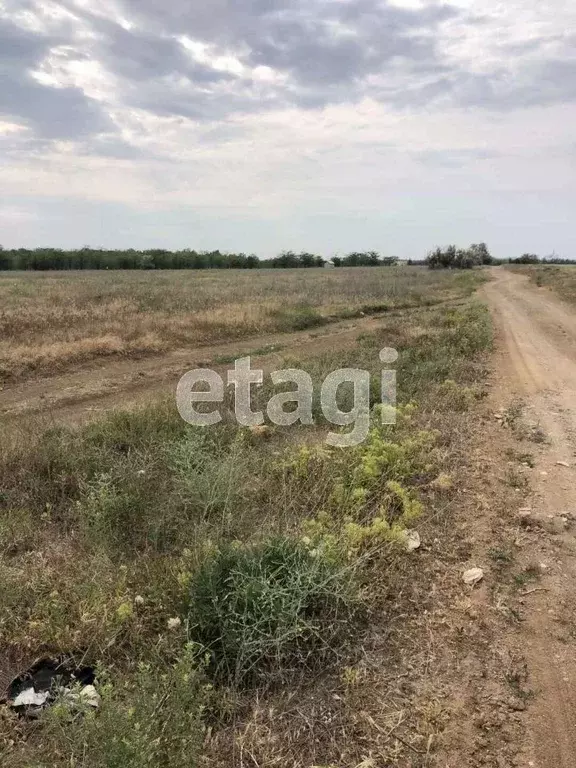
<point x="536" y="365"/>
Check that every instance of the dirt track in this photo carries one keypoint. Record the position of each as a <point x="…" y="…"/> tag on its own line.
<point x="93" y="389"/>
<point x="537" y="363"/>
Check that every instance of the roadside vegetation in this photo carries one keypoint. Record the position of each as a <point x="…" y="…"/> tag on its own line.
<point x="50" y="322"/>
<point x="560" y="279"/>
<point x="243" y="595"/>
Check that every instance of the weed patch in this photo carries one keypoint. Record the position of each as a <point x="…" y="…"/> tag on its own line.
<point x="262" y="610"/>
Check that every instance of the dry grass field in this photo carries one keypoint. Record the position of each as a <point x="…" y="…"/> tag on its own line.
<point x="561" y="279"/>
<point x="246" y="599"/>
<point x="50" y="322"/>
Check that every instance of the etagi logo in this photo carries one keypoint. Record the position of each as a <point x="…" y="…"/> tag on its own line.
<point x="300" y="400"/>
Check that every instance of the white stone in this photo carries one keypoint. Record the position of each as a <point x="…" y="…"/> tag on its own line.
<point x="473" y="576"/>
<point x="412" y="541"/>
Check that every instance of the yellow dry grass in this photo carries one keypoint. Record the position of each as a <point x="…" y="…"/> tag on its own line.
<point x="52" y="321"/>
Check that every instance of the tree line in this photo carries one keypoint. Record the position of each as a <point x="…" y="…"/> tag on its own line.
<point x="452" y="257"/>
<point x="44" y="259"/>
<point x="533" y="258"/>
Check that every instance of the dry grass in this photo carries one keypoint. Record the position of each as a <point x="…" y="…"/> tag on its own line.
<point x="104" y="530"/>
<point x="52" y="321"/>
<point x="561" y="279"/>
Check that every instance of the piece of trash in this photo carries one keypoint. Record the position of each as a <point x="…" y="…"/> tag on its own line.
<point x="412" y="541"/>
<point x="139" y="600"/>
<point x="562" y="463"/>
<point x="84" y="697"/>
<point x="174" y="623"/>
<point x="45" y="680"/>
<point x="29" y="698"/>
<point x="473" y="576"/>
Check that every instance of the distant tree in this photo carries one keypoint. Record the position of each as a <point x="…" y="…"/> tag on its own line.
<point x="361" y="259"/>
<point x="291" y="260"/>
<point x="482" y="253"/>
<point x="286" y="260"/>
<point x="526" y="258"/>
<point x="6" y="260"/>
<point x="452" y="257"/>
<point x="373" y="258"/>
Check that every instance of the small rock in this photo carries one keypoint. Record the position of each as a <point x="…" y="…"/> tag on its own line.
<point x="175" y="623"/>
<point x="412" y="541"/>
<point x="473" y="576"/>
<point x="562" y="463"/>
<point x="517" y="704"/>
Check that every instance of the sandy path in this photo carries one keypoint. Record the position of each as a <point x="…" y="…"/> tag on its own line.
<point x="537" y="363"/>
<point x="99" y="387"/>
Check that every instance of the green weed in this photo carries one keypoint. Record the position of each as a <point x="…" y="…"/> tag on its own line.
<point x="269" y="607"/>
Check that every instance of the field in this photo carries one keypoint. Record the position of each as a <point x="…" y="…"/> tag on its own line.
<point x="51" y="322"/>
<point x="562" y="280"/>
<point x="245" y="596"/>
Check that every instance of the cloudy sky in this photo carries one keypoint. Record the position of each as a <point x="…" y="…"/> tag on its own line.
<point x="259" y="125"/>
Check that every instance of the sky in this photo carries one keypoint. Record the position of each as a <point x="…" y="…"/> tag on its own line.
<point x="263" y="125"/>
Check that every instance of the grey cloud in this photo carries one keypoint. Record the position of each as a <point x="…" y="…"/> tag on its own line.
<point x="19" y="47"/>
<point x="55" y="113"/>
<point x="537" y="83"/>
<point x="328" y="52"/>
<point x="319" y="42"/>
<point x="112" y="147"/>
<point x="332" y="51"/>
<point x="325" y="49"/>
<point x="139" y="55"/>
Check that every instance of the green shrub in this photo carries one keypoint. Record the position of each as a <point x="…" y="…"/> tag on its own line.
<point x="274" y="606"/>
<point x="207" y="477"/>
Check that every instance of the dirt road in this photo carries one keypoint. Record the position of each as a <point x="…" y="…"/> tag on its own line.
<point x="537" y="364"/>
<point x="96" y="388"/>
